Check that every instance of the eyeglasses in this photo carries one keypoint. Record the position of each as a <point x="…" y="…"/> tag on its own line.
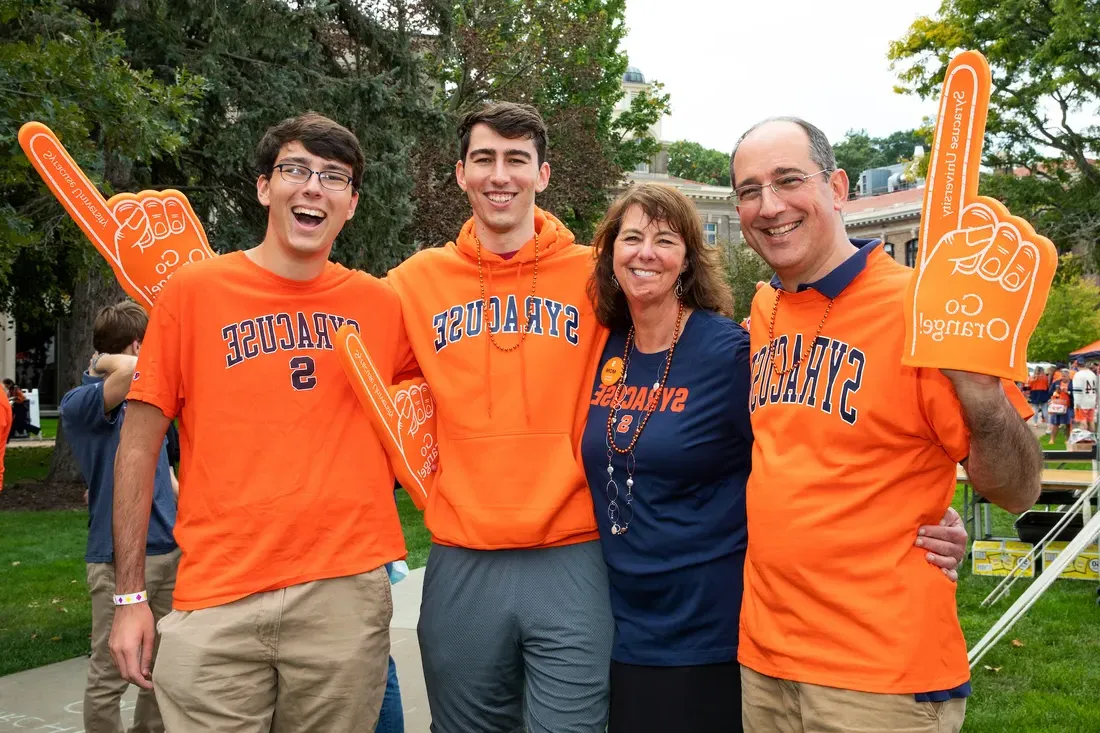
<point x="785" y="184"/>
<point x="297" y="173"/>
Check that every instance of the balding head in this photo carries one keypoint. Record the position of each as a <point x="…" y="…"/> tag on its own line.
<point x="820" y="150"/>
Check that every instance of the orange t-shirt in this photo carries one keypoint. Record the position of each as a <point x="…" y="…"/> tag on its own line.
<point x="1038" y="382"/>
<point x="853" y="452"/>
<point x="5" y="429"/>
<point x="282" y="479"/>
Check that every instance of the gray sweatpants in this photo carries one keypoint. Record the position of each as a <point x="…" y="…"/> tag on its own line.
<point x="517" y="637"/>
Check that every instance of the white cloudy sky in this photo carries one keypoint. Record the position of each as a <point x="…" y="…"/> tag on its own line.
<point x="730" y="63"/>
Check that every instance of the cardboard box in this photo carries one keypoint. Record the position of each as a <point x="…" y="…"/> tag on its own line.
<point x="1086" y="566"/>
<point x="999" y="557"/>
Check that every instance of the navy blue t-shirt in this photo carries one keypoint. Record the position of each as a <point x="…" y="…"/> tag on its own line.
<point x="94" y="438"/>
<point x="677" y="573"/>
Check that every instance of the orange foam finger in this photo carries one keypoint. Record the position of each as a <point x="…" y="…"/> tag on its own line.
<point x="403" y="416"/>
<point x="70" y="186"/>
<point x="168" y="238"/>
<point x="983" y="275"/>
<point x="145" y="237"/>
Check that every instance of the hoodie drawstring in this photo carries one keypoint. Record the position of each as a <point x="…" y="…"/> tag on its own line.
<point x="488" y="355"/>
<point x="522" y="351"/>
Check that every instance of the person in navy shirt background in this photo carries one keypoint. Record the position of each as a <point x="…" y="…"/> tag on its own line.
<point x="91" y="418"/>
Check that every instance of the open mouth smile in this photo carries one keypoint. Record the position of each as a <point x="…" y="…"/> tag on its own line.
<point x="308" y="217"/>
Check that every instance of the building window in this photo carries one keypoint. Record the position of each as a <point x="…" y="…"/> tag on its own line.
<point x="888" y="247"/>
<point x="642" y="167"/>
<point x="911" y="253"/>
<point x="710" y="232"/>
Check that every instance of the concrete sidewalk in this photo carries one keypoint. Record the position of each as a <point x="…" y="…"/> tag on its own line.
<point x="50" y="699"/>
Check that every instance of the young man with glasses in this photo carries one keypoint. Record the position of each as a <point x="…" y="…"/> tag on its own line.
<point x="282" y="604"/>
<point x="844" y="626"/>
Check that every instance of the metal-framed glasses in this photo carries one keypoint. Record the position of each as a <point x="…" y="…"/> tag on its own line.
<point x="785" y="184"/>
<point x="298" y="173"/>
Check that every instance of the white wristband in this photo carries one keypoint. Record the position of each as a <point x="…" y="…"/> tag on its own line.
<point x="131" y="598"/>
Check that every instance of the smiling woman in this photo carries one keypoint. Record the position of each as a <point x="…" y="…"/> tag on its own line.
<point x="666" y="452"/>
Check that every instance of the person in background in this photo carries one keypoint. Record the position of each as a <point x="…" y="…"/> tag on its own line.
<point x="92" y="416"/>
<point x="5" y="431"/>
<point x="21" y="411"/>
<point x="1038" y="393"/>
<point x="1084" y="396"/>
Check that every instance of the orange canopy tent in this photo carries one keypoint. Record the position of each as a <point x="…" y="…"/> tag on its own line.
<point x="1087" y="352"/>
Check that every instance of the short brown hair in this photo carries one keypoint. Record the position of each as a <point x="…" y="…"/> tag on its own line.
<point x="704" y="280"/>
<point x="117" y="326"/>
<point x="317" y="134"/>
<point x="507" y="119"/>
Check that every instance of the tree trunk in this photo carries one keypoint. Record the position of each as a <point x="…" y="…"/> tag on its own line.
<point x="97" y="289"/>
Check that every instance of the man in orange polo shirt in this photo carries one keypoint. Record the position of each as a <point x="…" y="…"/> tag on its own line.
<point x="282" y="605"/>
<point x="844" y="626"/>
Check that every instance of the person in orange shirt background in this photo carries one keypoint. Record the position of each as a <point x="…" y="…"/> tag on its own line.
<point x="1060" y="408"/>
<point x="282" y="604"/>
<point x="1039" y="394"/>
<point x="5" y="430"/>
<point x="843" y="625"/>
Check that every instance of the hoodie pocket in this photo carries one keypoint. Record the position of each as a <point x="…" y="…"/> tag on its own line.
<point x="519" y="489"/>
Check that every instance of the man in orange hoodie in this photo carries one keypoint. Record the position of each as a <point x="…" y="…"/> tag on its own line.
<point x="516" y="614"/>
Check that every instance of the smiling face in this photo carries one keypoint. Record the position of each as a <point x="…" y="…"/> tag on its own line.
<point x="501" y="177"/>
<point x="648" y="257"/>
<point x="795" y="232"/>
<point x="304" y="218"/>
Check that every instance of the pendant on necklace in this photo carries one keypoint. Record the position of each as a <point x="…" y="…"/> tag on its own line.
<point x="615" y="528"/>
<point x="656" y="385"/>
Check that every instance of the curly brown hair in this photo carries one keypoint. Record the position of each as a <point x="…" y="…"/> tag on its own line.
<point x="704" y="280"/>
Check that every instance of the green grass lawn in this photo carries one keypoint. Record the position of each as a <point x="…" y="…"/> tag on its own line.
<point x="49" y="427"/>
<point x="27" y="464"/>
<point x="1048" y="682"/>
<point x="45" y="612"/>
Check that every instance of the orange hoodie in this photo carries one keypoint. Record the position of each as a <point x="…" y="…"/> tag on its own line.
<point x="510" y="423"/>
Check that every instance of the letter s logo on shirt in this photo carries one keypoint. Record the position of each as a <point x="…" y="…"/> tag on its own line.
<point x="301" y="375"/>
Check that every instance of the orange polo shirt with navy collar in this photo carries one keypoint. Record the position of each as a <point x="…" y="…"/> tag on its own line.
<point x="853" y="453"/>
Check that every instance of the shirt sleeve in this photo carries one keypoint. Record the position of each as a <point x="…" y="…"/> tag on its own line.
<point x="944" y="414"/>
<point x="82" y="409"/>
<point x="741" y="381"/>
<point x="158" y="376"/>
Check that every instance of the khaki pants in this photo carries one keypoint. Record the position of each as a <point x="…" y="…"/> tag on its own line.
<point x="770" y="705"/>
<point x="310" y="657"/>
<point x="105" y="685"/>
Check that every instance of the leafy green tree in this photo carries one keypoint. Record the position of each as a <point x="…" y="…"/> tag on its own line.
<point x="694" y="162"/>
<point x="857" y="152"/>
<point x="1070" y="321"/>
<point x="1046" y="70"/>
<point x="266" y="60"/>
<point x="1046" y="90"/>
<point x="745" y="268"/>
<point x="58" y="67"/>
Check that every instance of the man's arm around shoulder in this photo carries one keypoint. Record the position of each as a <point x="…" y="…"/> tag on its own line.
<point x="135" y="469"/>
<point x="1005" y="464"/>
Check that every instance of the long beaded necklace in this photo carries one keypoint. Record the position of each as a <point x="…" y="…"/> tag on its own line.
<point x="485" y="300"/>
<point x="620" y="524"/>
<point x="771" y="338"/>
